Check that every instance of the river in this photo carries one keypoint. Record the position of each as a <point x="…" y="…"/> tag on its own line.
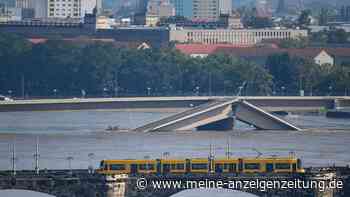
<point x="82" y="136"/>
<point x="77" y="134"/>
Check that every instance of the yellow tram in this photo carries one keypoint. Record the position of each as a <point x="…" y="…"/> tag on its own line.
<point x="202" y="166"/>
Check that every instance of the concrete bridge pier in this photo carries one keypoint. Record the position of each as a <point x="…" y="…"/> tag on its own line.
<point x="324" y="181"/>
<point x="116" y="189"/>
<point x="116" y="185"/>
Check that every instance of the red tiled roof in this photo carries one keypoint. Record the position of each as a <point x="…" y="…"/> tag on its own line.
<point x="248" y="51"/>
<point x="204" y="48"/>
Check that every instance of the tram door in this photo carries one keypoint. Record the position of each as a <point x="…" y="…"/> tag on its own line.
<point x="133" y="168"/>
<point x="218" y="168"/>
<point x="232" y="167"/>
<point x="166" y="168"/>
<point x="269" y="167"/>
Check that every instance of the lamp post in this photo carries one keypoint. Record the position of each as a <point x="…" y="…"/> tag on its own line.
<point x="346" y="92"/>
<point x="166" y="155"/>
<point x="105" y="90"/>
<point x="197" y="90"/>
<point x="83" y="93"/>
<point x="10" y="93"/>
<point x="55" y="92"/>
<point x="70" y="159"/>
<point x="283" y="90"/>
<point x="91" y="157"/>
<point x="149" y="91"/>
<point x="240" y="88"/>
<point x="330" y="88"/>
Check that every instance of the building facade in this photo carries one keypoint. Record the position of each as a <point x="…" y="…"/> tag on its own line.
<point x="201" y="10"/>
<point x="206" y="10"/>
<point x="261" y="54"/>
<point x="157" y="9"/>
<point x="324" y="58"/>
<point x="225" y="7"/>
<point x="183" y="8"/>
<point x="39" y="7"/>
<point x="63" y="9"/>
<point x="141" y="6"/>
<point x="72" y="8"/>
<point x="10" y="14"/>
<point x="233" y="36"/>
<point x="22" y="3"/>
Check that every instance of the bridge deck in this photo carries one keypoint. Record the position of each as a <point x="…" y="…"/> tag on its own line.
<point x="216" y="111"/>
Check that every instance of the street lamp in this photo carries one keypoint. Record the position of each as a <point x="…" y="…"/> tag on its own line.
<point x="166" y="155"/>
<point x="83" y="93"/>
<point x="273" y="89"/>
<point x="69" y="159"/>
<point x="10" y="93"/>
<point x="240" y="88"/>
<point x="330" y="88"/>
<point x="149" y="91"/>
<point x="283" y="90"/>
<point x="105" y="92"/>
<point x="91" y="157"/>
<point x="197" y="90"/>
<point x="346" y="92"/>
<point x="55" y="92"/>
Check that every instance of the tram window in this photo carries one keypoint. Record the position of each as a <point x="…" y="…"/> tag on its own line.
<point x="117" y="167"/>
<point x="232" y="167"/>
<point x="178" y="166"/>
<point x="252" y="166"/>
<point x="282" y="166"/>
<point x="146" y="167"/>
<point x="299" y="164"/>
<point x="221" y="166"/>
<point x="199" y="166"/>
<point x="226" y="166"/>
<point x="229" y="166"/>
<point x="102" y="164"/>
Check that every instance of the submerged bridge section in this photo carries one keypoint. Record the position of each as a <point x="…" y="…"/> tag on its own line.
<point x="219" y="115"/>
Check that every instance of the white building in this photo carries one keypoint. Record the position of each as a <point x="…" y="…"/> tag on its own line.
<point x="157" y="9"/>
<point x="324" y="58"/>
<point x="72" y="8"/>
<point x="207" y="10"/>
<point x="104" y="22"/>
<point x="39" y="6"/>
<point x="11" y="14"/>
<point x="225" y="6"/>
<point x="88" y="6"/>
<point x="233" y="36"/>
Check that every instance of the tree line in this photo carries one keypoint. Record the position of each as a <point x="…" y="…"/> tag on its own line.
<point x="67" y="69"/>
<point x="64" y="69"/>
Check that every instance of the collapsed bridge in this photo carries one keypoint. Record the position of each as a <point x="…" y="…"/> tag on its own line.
<point x="219" y="115"/>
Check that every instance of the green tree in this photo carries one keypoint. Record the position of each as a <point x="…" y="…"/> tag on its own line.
<point x="284" y="70"/>
<point x="302" y="42"/>
<point x="304" y="19"/>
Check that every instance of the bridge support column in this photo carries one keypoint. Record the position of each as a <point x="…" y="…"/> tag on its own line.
<point x="116" y="186"/>
<point x="324" y="190"/>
